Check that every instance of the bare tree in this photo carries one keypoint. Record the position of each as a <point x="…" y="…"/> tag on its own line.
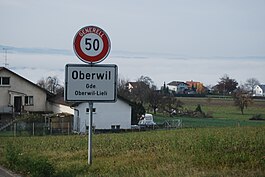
<point x="155" y="98"/>
<point x="148" y="81"/>
<point x="50" y="83"/>
<point x="226" y="85"/>
<point x="140" y="92"/>
<point x="42" y="83"/>
<point x="242" y="99"/>
<point x="251" y="83"/>
<point x="170" y="104"/>
<point x="123" y="89"/>
<point x="141" y="89"/>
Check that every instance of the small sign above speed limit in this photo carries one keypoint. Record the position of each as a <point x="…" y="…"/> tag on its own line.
<point x="91" y="44"/>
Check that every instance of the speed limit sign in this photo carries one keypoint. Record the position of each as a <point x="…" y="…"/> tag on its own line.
<point x="91" y="44"/>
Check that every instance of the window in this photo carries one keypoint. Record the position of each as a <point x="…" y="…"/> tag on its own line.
<point x="28" y="100"/>
<point x="4" y="81"/>
<point x="87" y="110"/>
<point x="115" y="127"/>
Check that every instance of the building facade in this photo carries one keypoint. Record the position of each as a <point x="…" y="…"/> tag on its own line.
<point x="105" y="116"/>
<point x="259" y="90"/>
<point x="177" y="86"/>
<point x="20" y="96"/>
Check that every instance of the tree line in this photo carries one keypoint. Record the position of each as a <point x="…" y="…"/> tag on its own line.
<point x="145" y="95"/>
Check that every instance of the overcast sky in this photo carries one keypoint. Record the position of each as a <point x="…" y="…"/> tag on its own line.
<point x="164" y="39"/>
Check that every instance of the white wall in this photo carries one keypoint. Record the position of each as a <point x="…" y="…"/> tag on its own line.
<point x="107" y="114"/>
<point x="59" y="108"/>
<point x="179" y="88"/>
<point x="172" y="87"/>
<point x="21" y="87"/>
<point x="258" y="91"/>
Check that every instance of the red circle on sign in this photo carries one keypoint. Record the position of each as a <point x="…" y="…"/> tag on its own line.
<point x="84" y="45"/>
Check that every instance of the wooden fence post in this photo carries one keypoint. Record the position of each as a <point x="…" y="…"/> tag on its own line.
<point x="15" y="128"/>
<point x="33" y="129"/>
<point x="68" y="128"/>
<point x="51" y="128"/>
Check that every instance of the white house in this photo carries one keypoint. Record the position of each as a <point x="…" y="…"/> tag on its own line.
<point x="19" y="95"/>
<point x="259" y="90"/>
<point x="178" y="87"/>
<point x="105" y="115"/>
<point x="58" y="105"/>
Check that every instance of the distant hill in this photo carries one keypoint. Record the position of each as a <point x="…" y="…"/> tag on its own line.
<point x="12" y="49"/>
<point x="124" y="54"/>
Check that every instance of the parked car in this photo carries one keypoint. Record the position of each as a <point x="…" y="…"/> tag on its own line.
<point x="147" y="121"/>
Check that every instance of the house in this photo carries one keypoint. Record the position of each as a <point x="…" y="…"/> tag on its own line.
<point x="106" y="116"/>
<point x="19" y="95"/>
<point x="177" y="86"/>
<point x="259" y="90"/>
<point x="197" y="87"/>
<point x="58" y="105"/>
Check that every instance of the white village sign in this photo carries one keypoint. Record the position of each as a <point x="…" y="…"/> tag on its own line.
<point x="95" y="83"/>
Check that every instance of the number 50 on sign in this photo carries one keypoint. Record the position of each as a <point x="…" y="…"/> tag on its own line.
<point x="91" y="44"/>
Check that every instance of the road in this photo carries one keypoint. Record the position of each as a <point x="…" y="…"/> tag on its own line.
<point x="6" y="173"/>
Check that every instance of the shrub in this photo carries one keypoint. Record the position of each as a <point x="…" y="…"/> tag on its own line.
<point x="257" y="117"/>
<point x="198" y="109"/>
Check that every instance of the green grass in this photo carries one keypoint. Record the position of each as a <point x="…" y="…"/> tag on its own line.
<point x="208" y="122"/>
<point x="234" y="151"/>
<point x="224" y="107"/>
<point x="223" y="111"/>
<point x="229" y="144"/>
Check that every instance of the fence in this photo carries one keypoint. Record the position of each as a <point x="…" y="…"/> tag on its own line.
<point x="65" y="127"/>
<point x="37" y="128"/>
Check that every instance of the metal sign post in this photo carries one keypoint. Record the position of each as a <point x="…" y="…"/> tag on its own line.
<point x="90" y="82"/>
<point x="90" y="105"/>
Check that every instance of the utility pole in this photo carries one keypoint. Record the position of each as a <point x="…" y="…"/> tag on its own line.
<point x="5" y="56"/>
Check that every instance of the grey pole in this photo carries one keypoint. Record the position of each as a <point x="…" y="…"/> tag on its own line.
<point x="90" y="133"/>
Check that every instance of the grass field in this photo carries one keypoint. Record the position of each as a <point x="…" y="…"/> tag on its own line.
<point x="223" y="111"/>
<point x="224" y="107"/>
<point x="235" y="151"/>
<point x="209" y="122"/>
<point x="229" y="144"/>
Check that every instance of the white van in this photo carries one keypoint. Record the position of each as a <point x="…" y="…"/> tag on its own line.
<point x="147" y="120"/>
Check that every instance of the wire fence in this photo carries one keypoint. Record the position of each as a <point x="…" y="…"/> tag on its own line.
<point x="37" y="129"/>
<point x="62" y="127"/>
